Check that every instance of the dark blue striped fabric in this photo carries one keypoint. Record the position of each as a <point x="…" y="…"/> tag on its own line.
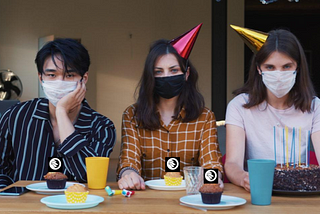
<point x="26" y="142"/>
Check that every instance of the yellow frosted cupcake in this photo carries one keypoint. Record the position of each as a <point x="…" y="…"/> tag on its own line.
<point x="76" y="194"/>
<point x="173" y="179"/>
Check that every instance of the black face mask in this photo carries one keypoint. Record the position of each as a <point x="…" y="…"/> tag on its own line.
<point x="168" y="87"/>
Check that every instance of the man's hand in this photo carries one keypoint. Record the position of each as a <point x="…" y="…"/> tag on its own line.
<point x="131" y="180"/>
<point x="66" y="105"/>
<point x="73" y="99"/>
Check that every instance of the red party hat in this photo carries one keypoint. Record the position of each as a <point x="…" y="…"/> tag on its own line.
<point x="184" y="43"/>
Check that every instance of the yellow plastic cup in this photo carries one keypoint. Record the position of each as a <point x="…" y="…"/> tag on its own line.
<point x="97" y="172"/>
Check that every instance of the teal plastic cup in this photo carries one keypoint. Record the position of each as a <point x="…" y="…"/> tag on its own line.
<point x="261" y="173"/>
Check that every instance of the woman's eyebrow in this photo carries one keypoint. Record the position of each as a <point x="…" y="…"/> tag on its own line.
<point x="289" y="63"/>
<point x="173" y="66"/>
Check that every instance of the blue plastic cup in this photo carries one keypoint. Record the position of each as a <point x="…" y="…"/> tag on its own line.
<point x="261" y="173"/>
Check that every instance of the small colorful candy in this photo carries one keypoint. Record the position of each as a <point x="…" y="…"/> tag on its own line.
<point x="117" y="192"/>
<point x="127" y="193"/>
<point x="109" y="191"/>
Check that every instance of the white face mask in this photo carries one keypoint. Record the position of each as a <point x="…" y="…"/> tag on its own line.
<point x="279" y="82"/>
<point x="57" y="89"/>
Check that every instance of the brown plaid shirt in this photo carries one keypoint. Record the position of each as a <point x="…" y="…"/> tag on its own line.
<point x="145" y="151"/>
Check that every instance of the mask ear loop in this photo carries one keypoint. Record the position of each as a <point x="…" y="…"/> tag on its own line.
<point x="259" y="68"/>
<point x="187" y="66"/>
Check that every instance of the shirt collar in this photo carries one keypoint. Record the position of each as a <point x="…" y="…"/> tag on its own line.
<point x="181" y="115"/>
<point x="84" y="120"/>
<point x="42" y="109"/>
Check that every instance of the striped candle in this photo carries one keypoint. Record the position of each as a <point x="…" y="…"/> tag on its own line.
<point x="306" y="148"/>
<point x="292" y="146"/>
<point x="283" y="148"/>
<point x="299" y="146"/>
<point x="287" y="146"/>
<point x="309" y="139"/>
<point x="294" y="149"/>
<point x="274" y="145"/>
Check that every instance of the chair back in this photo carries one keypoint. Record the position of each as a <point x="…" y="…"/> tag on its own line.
<point x="221" y="129"/>
<point x="313" y="158"/>
<point x="6" y="104"/>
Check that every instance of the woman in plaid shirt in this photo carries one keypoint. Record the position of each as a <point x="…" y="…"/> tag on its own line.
<point x="168" y="120"/>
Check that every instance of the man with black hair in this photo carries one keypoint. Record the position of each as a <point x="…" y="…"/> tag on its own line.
<point x="60" y="125"/>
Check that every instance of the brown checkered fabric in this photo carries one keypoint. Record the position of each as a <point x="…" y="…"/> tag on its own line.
<point x="144" y="151"/>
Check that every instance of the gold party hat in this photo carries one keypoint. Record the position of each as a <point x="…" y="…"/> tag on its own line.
<point x="254" y="39"/>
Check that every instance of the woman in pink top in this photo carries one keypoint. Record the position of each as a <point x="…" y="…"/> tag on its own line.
<point x="278" y="94"/>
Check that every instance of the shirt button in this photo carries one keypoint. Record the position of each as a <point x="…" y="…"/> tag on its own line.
<point x="192" y="159"/>
<point x="137" y="126"/>
<point x="167" y="131"/>
<point x="144" y="155"/>
<point x="168" y="150"/>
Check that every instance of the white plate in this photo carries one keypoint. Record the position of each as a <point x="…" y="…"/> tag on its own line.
<point x="227" y="202"/>
<point x="60" y="202"/>
<point x="42" y="188"/>
<point x="160" y="185"/>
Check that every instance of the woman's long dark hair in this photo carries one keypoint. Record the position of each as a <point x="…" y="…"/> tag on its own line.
<point x="190" y="97"/>
<point x="285" y="42"/>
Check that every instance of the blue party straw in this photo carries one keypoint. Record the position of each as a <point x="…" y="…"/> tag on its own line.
<point x="275" y="147"/>
<point x="294" y="149"/>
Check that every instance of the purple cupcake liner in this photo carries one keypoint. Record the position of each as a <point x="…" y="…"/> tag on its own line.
<point x="56" y="184"/>
<point x="211" y="198"/>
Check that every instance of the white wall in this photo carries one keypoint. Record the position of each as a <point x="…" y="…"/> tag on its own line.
<point x="235" y="47"/>
<point x="104" y="27"/>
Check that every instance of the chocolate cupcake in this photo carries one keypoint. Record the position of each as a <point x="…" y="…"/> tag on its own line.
<point x="56" y="180"/>
<point x="211" y="193"/>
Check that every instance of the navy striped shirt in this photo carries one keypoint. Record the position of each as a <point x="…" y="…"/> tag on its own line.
<point x="26" y="142"/>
